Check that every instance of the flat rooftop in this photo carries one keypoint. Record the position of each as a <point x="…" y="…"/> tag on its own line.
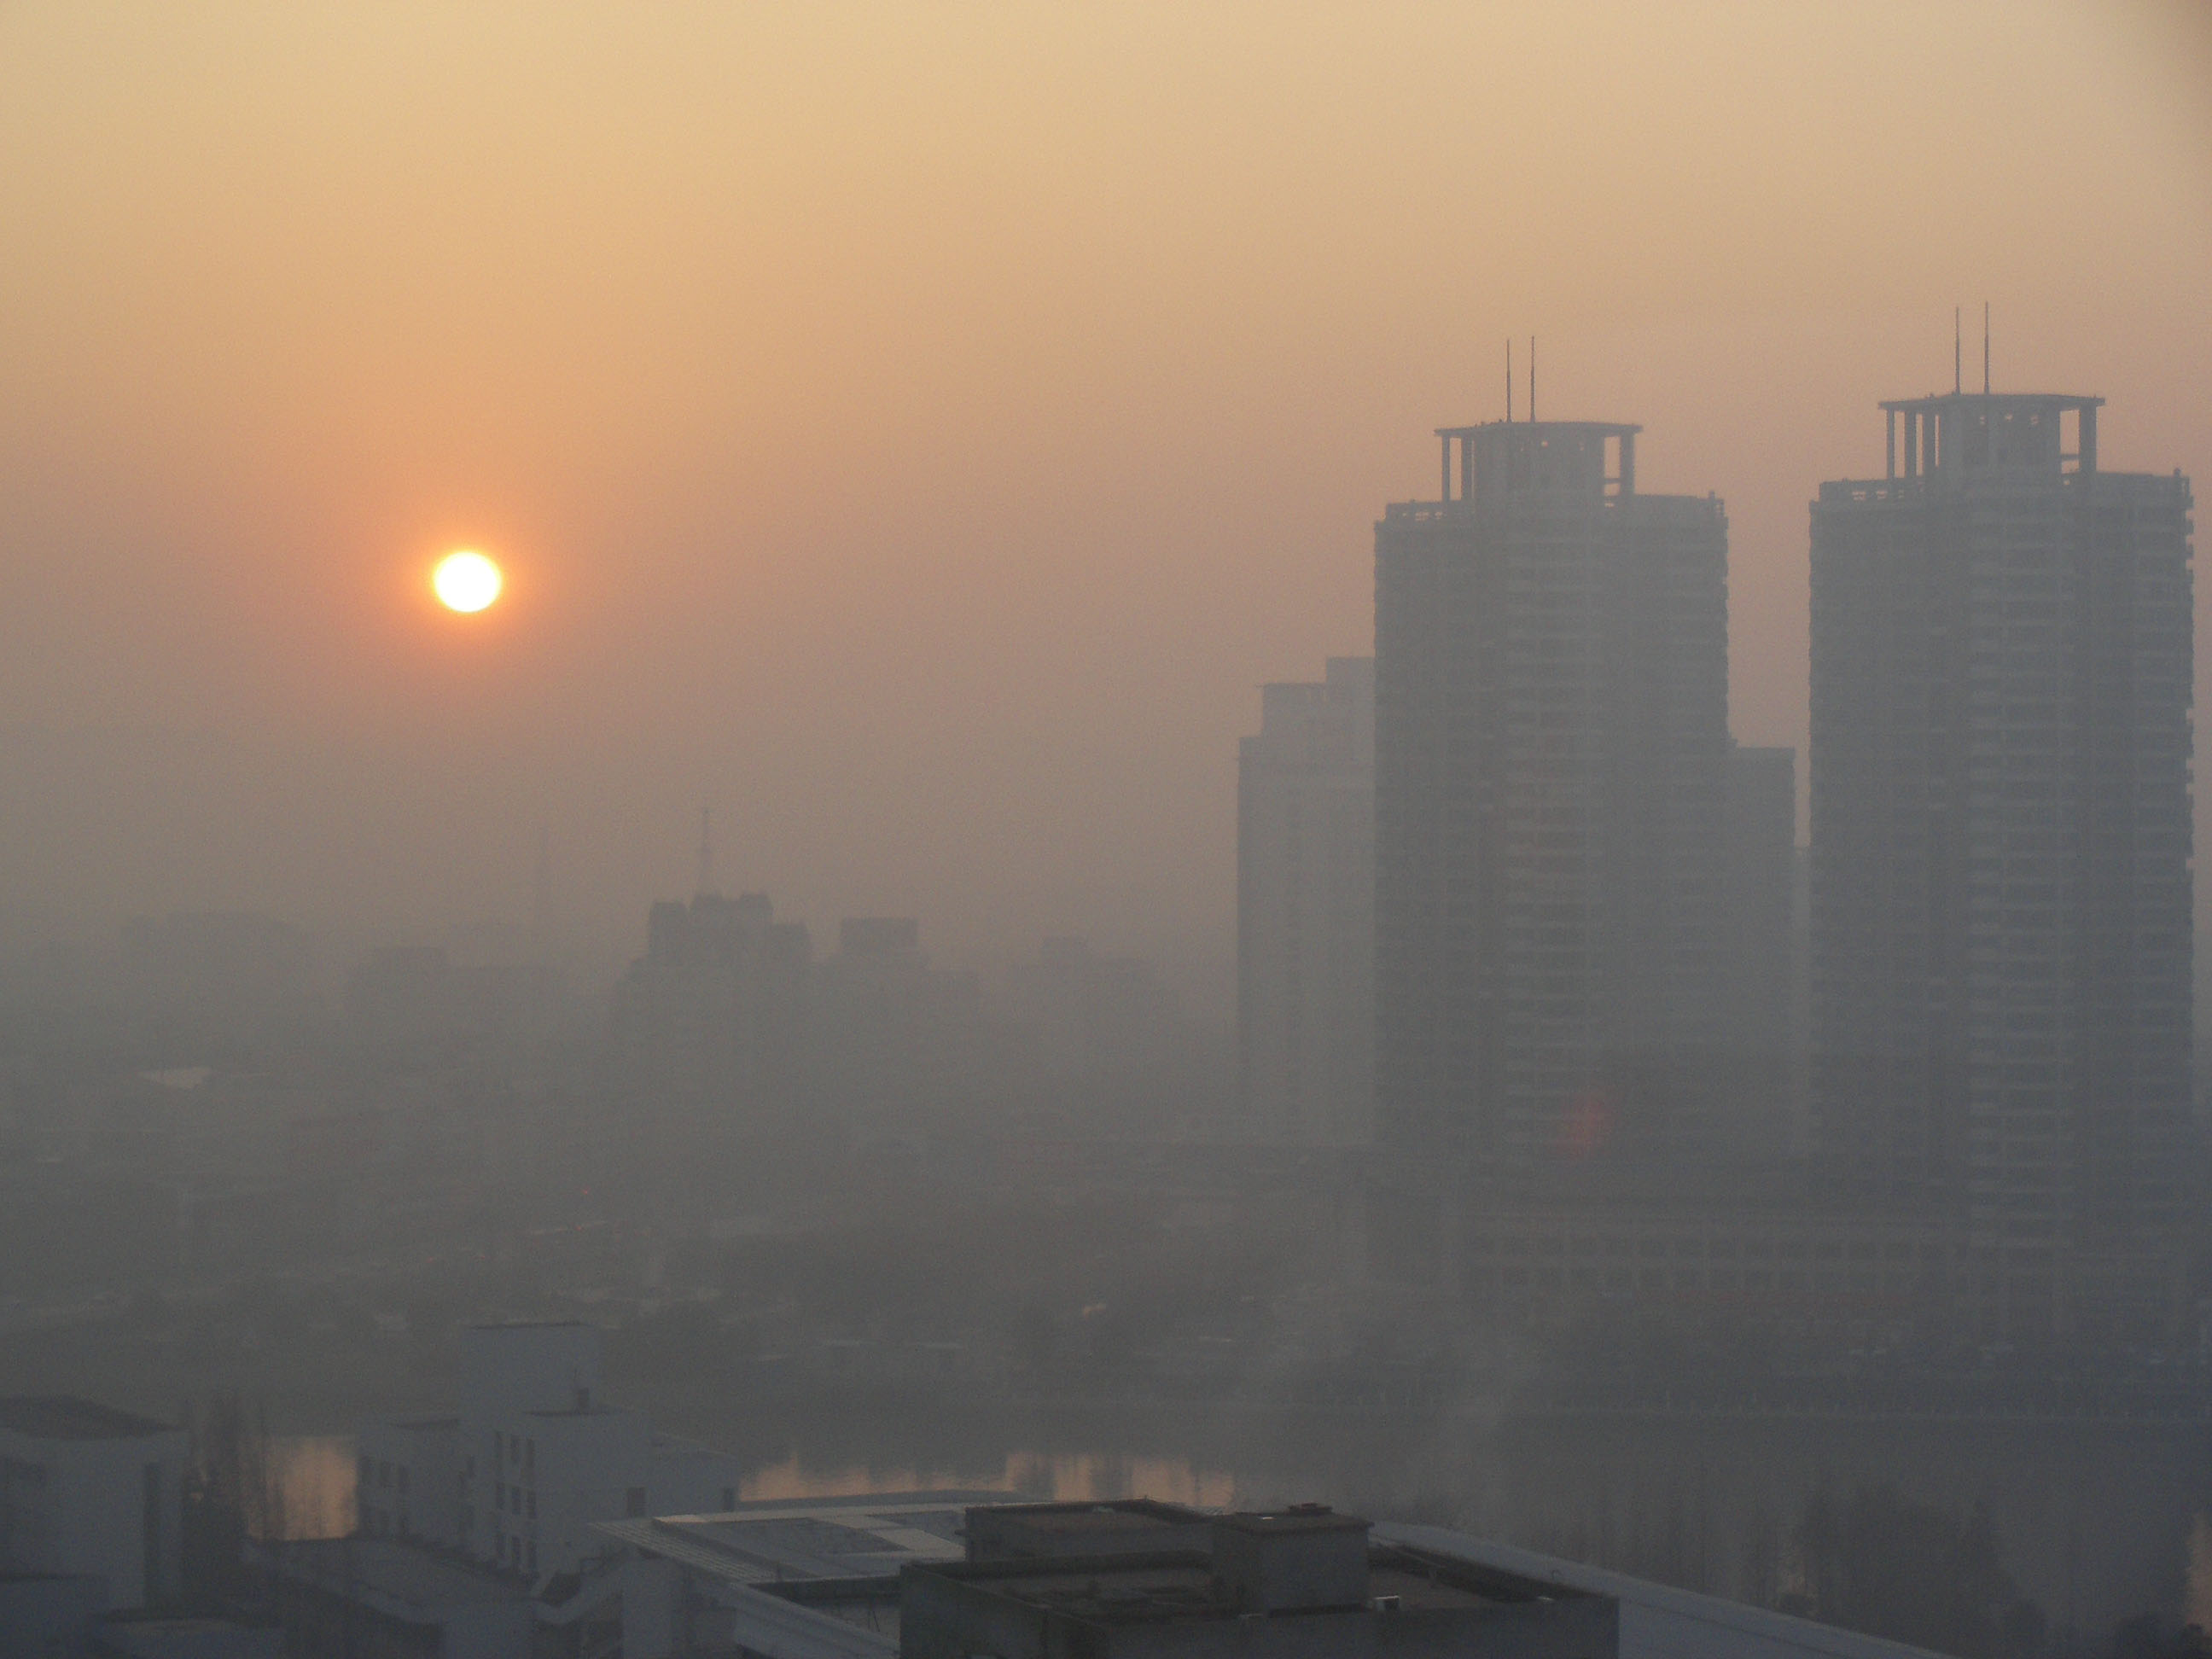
<point x="1160" y="1591"/>
<point x="819" y="1539"/>
<point x="1112" y="1516"/>
<point x="65" y="1417"/>
<point x="404" y="1578"/>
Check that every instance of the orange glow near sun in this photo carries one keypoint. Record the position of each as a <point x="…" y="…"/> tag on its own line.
<point x="466" y="581"/>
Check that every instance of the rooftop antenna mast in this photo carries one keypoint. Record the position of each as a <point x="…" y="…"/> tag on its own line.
<point x="1958" y="350"/>
<point x="706" y="850"/>
<point x="1986" y="347"/>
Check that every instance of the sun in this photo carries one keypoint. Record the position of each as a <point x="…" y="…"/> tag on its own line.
<point x="466" y="581"/>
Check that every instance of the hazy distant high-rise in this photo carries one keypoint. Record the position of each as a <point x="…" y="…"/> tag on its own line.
<point x="1551" y="749"/>
<point x="2001" y="643"/>
<point x="715" y="1014"/>
<point x="1758" y="883"/>
<point x="896" y="1041"/>
<point x="1305" y="910"/>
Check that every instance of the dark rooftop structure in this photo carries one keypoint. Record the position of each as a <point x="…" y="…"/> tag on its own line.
<point x="65" y="1417"/>
<point x="1007" y="1532"/>
<point x="383" y="1596"/>
<point x="1302" y="1582"/>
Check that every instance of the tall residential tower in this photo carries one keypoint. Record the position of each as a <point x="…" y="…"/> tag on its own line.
<point x="1552" y="753"/>
<point x="2001" y="678"/>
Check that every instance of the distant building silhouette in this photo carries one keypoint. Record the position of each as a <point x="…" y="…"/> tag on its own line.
<point x="1551" y="752"/>
<point x="1306" y="911"/>
<point x="2001" y="890"/>
<point x="716" y="1014"/>
<point x="893" y="1037"/>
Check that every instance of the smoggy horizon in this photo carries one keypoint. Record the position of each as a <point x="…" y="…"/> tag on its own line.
<point x="917" y="437"/>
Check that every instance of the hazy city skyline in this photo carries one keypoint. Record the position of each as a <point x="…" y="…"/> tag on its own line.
<point x="919" y="436"/>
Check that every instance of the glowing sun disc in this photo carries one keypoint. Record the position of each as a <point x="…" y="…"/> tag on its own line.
<point x="465" y="581"/>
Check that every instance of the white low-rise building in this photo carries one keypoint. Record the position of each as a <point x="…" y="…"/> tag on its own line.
<point x="533" y="1458"/>
<point x="86" y="1490"/>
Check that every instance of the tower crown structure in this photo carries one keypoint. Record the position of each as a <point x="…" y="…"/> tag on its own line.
<point x="1558" y="458"/>
<point x="1958" y="434"/>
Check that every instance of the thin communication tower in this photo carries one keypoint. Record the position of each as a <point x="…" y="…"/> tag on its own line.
<point x="1958" y="348"/>
<point x="1509" y="379"/>
<point x="706" y="849"/>
<point x="1532" y="377"/>
<point x="1986" y="347"/>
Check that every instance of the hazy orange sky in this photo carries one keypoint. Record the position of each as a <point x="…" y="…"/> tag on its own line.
<point x="919" y="430"/>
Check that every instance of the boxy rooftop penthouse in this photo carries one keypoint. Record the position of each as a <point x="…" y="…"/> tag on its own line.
<point x="1158" y="1580"/>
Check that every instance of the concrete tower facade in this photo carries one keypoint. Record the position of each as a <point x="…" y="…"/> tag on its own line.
<point x="2001" y="835"/>
<point x="1551" y="757"/>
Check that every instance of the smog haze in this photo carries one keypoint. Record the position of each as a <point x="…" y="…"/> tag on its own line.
<point x="916" y="433"/>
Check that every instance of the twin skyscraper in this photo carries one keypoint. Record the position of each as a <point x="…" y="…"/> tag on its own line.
<point x="1581" y="886"/>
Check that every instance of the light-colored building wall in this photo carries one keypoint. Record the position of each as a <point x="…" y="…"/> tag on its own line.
<point x="1305" y="893"/>
<point x="85" y="1489"/>
<point x="534" y="1457"/>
